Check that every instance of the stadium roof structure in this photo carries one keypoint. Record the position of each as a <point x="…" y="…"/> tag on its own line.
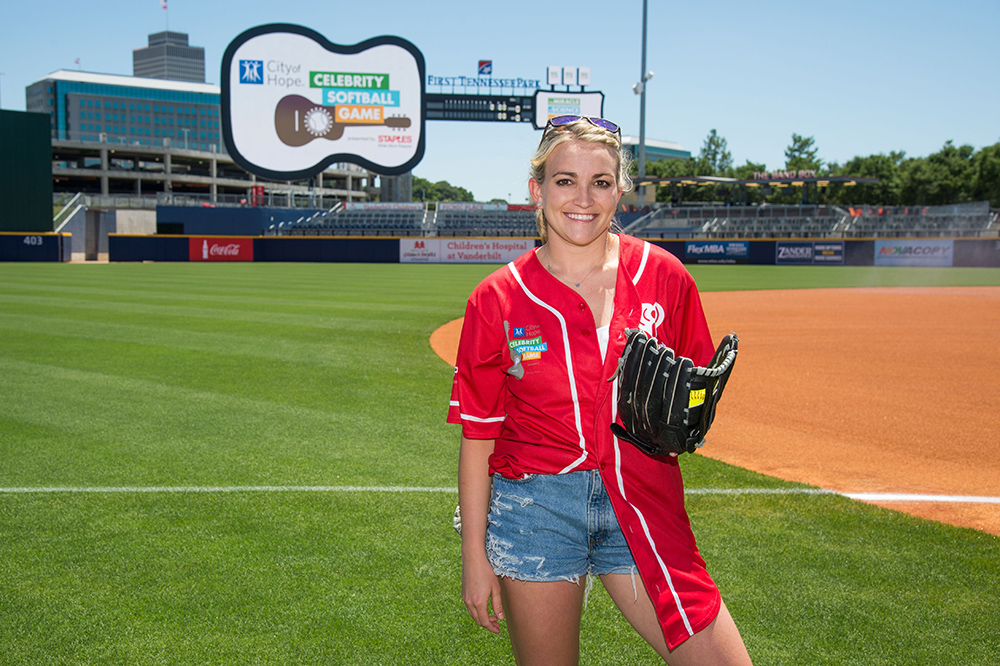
<point x="131" y="81"/>
<point x="807" y="180"/>
<point x="818" y="181"/>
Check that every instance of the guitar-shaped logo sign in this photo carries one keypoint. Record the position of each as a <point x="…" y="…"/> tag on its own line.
<point x="299" y="120"/>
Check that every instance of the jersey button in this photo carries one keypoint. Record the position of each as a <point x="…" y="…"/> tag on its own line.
<point x="583" y="306"/>
<point x="586" y="331"/>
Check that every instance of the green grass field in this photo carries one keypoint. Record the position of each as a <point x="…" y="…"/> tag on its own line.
<point x="248" y="464"/>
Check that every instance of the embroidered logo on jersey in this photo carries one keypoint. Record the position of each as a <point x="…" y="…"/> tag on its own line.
<point x="516" y="370"/>
<point x="528" y="342"/>
<point x="652" y="316"/>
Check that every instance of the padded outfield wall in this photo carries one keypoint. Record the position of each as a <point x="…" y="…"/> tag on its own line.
<point x="801" y="252"/>
<point x="25" y="172"/>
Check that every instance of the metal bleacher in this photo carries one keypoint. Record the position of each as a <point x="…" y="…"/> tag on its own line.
<point x="435" y="219"/>
<point x="959" y="220"/>
<point x="766" y="221"/>
<point x="488" y="222"/>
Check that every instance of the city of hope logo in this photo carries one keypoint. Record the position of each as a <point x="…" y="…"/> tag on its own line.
<point x="252" y="71"/>
<point x="530" y="347"/>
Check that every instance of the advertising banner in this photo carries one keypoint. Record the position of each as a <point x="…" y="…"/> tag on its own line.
<point x="717" y="252"/>
<point x="804" y="253"/>
<point x="462" y="250"/>
<point x="220" y="249"/>
<point x="828" y="252"/>
<point x="472" y="206"/>
<point x="375" y="205"/>
<point x="293" y="103"/>
<point x="549" y="104"/>
<point x="914" y="252"/>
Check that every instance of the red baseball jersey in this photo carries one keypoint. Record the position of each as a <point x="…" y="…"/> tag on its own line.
<point x="530" y="376"/>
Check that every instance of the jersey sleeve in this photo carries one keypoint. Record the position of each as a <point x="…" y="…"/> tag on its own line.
<point x="694" y="338"/>
<point x="477" y="392"/>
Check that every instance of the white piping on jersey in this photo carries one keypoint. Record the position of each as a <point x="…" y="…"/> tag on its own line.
<point x="621" y="479"/>
<point x="477" y="419"/>
<point x="642" y="264"/>
<point x="569" y="368"/>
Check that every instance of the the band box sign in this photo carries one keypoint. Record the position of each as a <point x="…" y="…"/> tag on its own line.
<point x="717" y="252"/>
<point x="293" y="103"/>
<point x="808" y="253"/>
<point x="220" y="249"/>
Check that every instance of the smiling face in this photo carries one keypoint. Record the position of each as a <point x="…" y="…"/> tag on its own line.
<point x="579" y="193"/>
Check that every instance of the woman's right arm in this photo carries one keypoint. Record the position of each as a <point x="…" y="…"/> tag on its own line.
<point x="479" y="583"/>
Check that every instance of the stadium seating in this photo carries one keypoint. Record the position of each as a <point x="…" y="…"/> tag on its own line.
<point x="971" y="219"/>
<point x="766" y="221"/>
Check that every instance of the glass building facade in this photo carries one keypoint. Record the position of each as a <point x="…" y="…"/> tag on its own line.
<point x="128" y="110"/>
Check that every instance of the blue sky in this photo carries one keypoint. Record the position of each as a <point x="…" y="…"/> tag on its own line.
<point x="859" y="77"/>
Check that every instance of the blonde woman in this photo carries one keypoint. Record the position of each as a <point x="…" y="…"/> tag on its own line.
<point x="549" y="497"/>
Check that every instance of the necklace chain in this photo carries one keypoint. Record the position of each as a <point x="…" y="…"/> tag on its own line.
<point x="604" y="256"/>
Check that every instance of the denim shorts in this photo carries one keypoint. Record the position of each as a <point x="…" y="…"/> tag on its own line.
<point x="549" y="527"/>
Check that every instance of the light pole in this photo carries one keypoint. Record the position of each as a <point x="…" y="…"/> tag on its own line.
<point x="640" y="90"/>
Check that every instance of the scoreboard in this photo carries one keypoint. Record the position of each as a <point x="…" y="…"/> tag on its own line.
<point x="488" y="108"/>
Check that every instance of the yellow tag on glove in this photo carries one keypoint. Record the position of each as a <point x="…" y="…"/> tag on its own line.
<point x="696" y="398"/>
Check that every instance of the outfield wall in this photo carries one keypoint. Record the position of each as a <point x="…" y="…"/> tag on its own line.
<point x="35" y="247"/>
<point x="770" y="252"/>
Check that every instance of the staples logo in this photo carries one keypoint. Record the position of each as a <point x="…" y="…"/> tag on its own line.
<point x="395" y="138"/>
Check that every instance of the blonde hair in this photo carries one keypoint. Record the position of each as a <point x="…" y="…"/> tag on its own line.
<point x="581" y="130"/>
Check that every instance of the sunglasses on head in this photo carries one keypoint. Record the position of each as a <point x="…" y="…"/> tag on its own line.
<point x="560" y="121"/>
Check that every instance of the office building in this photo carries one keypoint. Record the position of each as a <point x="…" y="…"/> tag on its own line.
<point x="84" y="106"/>
<point x="168" y="56"/>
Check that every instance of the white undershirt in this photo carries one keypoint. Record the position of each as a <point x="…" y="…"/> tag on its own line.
<point x="603" y="333"/>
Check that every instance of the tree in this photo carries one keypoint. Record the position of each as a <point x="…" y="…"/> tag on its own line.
<point x="884" y="167"/>
<point x="424" y="190"/>
<point x="944" y="177"/>
<point x="986" y="186"/>
<point x="801" y="154"/>
<point x="715" y="152"/>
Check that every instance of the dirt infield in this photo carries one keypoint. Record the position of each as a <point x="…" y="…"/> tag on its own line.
<point x="889" y="390"/>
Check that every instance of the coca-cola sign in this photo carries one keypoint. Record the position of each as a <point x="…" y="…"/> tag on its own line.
<point x="220" y="249"/>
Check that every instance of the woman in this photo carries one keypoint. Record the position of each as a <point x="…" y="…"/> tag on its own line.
<point x="548" y="495"/>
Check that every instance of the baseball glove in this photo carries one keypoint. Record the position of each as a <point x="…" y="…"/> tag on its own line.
<point x="667" y="403"/>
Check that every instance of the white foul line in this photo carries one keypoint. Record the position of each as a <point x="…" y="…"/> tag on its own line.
<point x="903" y="497"/>
<point x="864" y="497"/>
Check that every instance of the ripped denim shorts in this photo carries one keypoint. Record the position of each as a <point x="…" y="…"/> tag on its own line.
<point x="548" y="527"/>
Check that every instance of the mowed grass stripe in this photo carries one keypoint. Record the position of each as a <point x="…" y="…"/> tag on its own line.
<point x="119" y="430"/>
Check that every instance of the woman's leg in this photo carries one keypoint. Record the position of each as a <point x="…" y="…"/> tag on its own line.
<point x="718" y="643"/>
<point x="543" y="620"/>
<point x="630" y="596"/>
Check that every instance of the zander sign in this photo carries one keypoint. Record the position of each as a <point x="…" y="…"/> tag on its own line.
<point x="293" y="103"/>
